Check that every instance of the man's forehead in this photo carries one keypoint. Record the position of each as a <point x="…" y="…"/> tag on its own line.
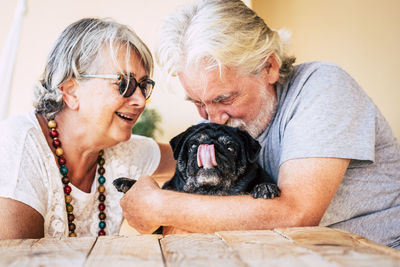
<point x="207" y="85"/>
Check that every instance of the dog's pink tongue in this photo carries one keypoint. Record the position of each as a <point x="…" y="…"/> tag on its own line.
<point x="206" y="156"/>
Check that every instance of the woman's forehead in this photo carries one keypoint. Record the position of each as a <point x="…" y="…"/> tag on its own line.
<point x="119" y="60"/>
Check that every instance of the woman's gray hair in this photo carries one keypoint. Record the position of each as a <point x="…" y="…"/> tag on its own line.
<point x="219" y="33"/>
<point x="77" y="50"/>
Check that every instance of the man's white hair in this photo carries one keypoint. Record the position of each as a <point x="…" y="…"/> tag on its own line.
<point x="217" y="33"/>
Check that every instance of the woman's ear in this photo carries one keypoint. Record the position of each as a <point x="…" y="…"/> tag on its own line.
<point x="69" y="95"/>
<point x="272" y="70"/>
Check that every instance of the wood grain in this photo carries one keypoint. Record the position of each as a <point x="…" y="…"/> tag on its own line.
<point x="301" y="246"/>
<point x="341" y="247"/>
<point x="268" y="248"/>
<point x="143" y="250"/>
<point x="45" y="251"/>
<point x="198" y="250"/>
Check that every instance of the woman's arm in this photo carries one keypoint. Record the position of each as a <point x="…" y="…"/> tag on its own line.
<point x="19" y="220"/>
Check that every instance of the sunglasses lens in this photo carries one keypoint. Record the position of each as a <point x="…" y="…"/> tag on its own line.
<point x="146" y="87"/>
<point x="127" y="89"/>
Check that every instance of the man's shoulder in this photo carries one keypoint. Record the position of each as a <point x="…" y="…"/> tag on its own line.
<point x="322" y="76"/>
<point x="309" y="68"/>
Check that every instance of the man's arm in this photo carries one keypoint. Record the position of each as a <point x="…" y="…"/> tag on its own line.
<point x="307" y="187"/>
<point x="19" y="220"/>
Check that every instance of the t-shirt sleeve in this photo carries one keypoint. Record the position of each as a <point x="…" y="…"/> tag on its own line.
<point x="21" y="172"/>
<point x="331" y="117"/>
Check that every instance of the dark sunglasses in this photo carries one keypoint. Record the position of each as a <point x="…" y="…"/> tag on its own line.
<point x="127" y="84"/>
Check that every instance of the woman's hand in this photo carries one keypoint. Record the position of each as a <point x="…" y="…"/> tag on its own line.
<point x="142" y="205"/>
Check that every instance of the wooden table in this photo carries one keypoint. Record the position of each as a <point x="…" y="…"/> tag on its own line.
<point x="305" y="246"/>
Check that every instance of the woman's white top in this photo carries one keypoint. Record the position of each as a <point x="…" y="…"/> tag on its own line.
<point x="29" y="173"/>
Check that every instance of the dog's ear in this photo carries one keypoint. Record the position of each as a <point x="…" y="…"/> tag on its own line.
<point x="251" y="146"/>
<point x="178" y="141"/>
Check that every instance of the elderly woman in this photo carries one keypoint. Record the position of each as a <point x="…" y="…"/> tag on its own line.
<point x="58" y="161"/>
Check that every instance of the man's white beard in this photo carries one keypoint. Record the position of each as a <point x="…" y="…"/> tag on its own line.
<point x="263" y="119"/>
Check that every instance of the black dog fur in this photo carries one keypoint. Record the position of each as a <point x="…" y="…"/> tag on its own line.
<point x="237" y="171"/>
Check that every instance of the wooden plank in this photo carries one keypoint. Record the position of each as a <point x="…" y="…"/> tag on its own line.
<point x="45" y="251"/>
<point x="198" y="250"/>
<point x="127" y="230"/>
<point x="341" y="247"/>
<point x="142" y="250"/>
<point x="268" y="248"/>
<point x="11" y="250"/>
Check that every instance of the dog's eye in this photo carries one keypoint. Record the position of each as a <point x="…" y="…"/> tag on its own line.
<point x="231" y="149"/>
<point x="192" y="148"/>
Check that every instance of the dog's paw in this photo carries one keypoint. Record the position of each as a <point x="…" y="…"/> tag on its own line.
<point x="123" y="184"/>
<point x="266" y="191"/>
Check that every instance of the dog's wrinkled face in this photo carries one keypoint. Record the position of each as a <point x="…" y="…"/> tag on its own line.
<point x="211" y="157"/>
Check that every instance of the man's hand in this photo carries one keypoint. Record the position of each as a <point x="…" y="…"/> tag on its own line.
<point x="168" y="230"/>
<point x="141" y="205"/>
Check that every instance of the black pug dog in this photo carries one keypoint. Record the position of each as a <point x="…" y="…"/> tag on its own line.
<point x="215" y="159"/>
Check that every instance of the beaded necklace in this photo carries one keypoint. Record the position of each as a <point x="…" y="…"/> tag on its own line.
<point x="67" y="189"/>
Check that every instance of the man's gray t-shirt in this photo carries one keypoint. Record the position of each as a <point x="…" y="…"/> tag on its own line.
<point x="323" y="112"/>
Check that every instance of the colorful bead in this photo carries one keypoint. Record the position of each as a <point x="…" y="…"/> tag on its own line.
<point x="101" y="161"/>
<point x="63" y="170"/>
<point x="102" y="180"/>
<point x="68" y="199"/>
<point x="71" y="217"/>
<point x="62" y="160"/>
<point x="56" y="143"/>
<point x="102" y="197"/>
<point x="52" y="124"/>
<point x="59" y="152"/>
<point x="101" y="189"/>
<point x="102" y="225"/>
<point x="71" y="227"/>
<point x="65" y="180"/>
<point x="67" y="189"/>
<point x="101" y="170"/>
<point x="53" y="133"/>
<point x="70" y="208"/>
<point x="102" y="216"/>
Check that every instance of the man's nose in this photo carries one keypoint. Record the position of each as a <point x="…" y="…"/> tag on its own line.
<point x="216" y="115"/>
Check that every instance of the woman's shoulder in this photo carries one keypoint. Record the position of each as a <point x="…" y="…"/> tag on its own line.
<point x="15" y="129"/>
<point x="135" y="145"/>
<point x="138" y="156"/>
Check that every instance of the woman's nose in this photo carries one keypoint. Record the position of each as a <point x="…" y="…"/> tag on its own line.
<point x="137" y="98"/>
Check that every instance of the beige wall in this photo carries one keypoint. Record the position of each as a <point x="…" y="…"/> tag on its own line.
<point x="45" y="19"/>
<point x="363" y="36"/>
<point x="360" y="35"/>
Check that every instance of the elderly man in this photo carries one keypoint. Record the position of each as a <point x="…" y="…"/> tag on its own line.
<point x="323" y="140"/>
